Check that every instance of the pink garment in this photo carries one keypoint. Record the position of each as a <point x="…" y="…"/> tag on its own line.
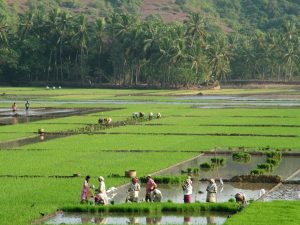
<point x="150" y="186"/>
<point x="85" y="191"/>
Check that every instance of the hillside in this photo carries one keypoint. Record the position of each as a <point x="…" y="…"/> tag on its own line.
<point x="229" y="14"/>
<point x="119" y="41"/>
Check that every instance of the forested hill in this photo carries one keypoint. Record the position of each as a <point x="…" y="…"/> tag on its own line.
<point x="156" y="42"/>
<point x="235" y="14"/>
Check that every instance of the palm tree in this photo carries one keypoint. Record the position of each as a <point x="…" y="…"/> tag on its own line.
<point x="198" y="60"/>
<point x="3" y="33"/>
<point x="195" y="28"/>
<point x="219" y="58"/>
<point x="291" y="58"/>
<point x="100" y="25"/>
<point x="62" y="29"/>
<point x="81" y="39"/>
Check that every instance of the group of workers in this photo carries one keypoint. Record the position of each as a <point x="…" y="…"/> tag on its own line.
<point x="99" y="195"/>
<point x="137" y="115"/>
<point x="14" y="106"/>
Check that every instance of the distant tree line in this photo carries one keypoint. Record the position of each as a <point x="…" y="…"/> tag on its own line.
<point x="122" y="49"/>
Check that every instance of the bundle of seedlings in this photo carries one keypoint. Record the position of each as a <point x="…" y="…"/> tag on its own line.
<point x="165" y="179"/>
<point x="241" y="156"/>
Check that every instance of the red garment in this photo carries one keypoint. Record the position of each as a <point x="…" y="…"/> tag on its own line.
<point x="150" y="186"/>
<point x="187" y="198"/>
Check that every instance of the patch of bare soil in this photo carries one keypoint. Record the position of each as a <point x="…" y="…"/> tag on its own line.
<point x="167" y="9"/>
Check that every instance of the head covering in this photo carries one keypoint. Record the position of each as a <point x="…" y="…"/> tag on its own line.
<point x="149" y="175"/>
<point x="101" y="178"/>
<point x="212" y="180"/>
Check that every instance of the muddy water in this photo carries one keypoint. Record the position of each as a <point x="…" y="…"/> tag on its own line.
<point x="284" y="192"/>
<point x="36" y="114"/>
<point x="174" y="192"/>
<point x="288" y="165"/>
<point x="138" y="219"/>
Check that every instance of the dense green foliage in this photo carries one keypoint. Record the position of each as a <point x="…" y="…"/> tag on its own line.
<point x="51" y="44"/>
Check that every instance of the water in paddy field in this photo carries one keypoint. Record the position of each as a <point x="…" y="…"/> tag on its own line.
<point x="174" y="192"/>
<point x="65" y="218"/>
<point x="7" y="117"/>
<point x="284" y="192"/>
<point x="231" y="168"/>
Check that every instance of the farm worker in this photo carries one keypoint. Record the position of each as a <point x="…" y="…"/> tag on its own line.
<point x="14" y="107"/>
<point x="27" y="105"/>
<point x="241" y="198"/>
<point x="102" y="190"/>
<point x="156" y="195"/>
<point x="187" y="190"/>
<point x="150" y="186"/>
<point x="133" y="191"/>
<point x="211" y="191"/>
<point x="85" y="190"/>
<point x="150" y="116"/>
<point x="135" y="115"/>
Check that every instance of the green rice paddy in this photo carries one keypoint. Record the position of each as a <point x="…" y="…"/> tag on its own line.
<point x="182" y="133"/>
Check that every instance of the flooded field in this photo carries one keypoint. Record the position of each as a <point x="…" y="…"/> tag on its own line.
<point x="225" y="192"/>
<point x="66" y="218"/>
<point x="288" y="165"/>
<point x="284" y="192"/>
<point x="21" y="116"/>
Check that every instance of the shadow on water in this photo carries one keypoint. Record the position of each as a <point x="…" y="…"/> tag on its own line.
<point x="208" y="218"/>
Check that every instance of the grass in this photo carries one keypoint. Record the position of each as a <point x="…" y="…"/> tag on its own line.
<point x="180" y="134"/>
<point x="260" y="213"/>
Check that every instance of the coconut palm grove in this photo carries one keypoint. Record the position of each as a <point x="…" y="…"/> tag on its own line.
<point x="149" y="112"/>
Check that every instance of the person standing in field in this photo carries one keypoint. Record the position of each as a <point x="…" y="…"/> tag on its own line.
<point x="150" y="186"/>
<point x="102" y="190"/>
<point x="27" y="104"/>
<point x="211" y="191"/>
<point x="85" y="190"/>
<point x="187" y="190"/>
<point x="133" y="191"/>
<point x="14" y="107"/>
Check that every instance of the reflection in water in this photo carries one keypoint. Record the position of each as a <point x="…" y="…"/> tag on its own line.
<point x="210" y="220"/>
<point x="101" y="220"/>
<point x="133" y="220"/>
<point x="187" y="220"/>
<point x="122" y="219"/>
<point x="14" y="120"/>
<point x="153" y="220"/>
<point x="85" y="220"/>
